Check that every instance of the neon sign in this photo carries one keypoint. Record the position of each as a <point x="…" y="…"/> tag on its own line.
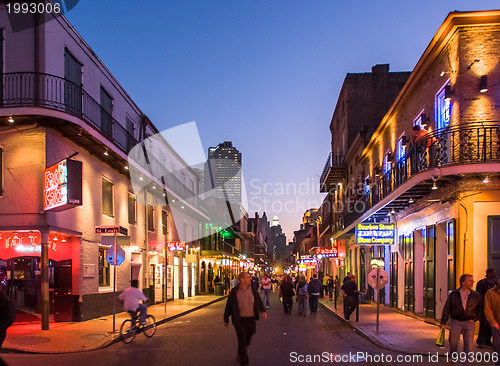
<point x="62" y="185"/>
<point x="328" y="252"/>
<point x="176" y="246"/>
<point x="375" y="234"/>
<point x="27" y="243"/>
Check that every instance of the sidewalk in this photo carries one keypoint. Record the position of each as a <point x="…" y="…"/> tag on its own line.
<point x="92" y="334"/>
<point x="398" y="332"/>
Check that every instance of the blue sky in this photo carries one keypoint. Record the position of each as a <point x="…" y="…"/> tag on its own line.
<point x="263" y="74"/>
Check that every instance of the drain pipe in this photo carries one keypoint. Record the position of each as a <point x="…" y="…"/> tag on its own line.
<point x="466" y="227"/>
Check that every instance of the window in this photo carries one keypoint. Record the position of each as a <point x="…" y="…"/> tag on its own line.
<point x="183" y="178"/>
<point x="191" y="186"/>
<point x="73" y="83"/>
<point x="367" y="184"/>
<point x="107" y="197"/>
<point x="106" y="113"/>
<point x="1" y="171"/>
<point x="387" y="162"/>
<point x="104" y="269"/>
<point x="164" y="218"/>
<point x="130" y="133"/>
<point x="442" y="109"/>
<point x="151" y="217"/>
<point x="418" y="121"/>
<point x="400" y="150"/>
<point x="132" y="207"/>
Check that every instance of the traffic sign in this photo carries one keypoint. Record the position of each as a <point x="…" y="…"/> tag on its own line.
<point x="378" y="278"/>
<point x="111" y="230"/>
<point x="110" y="255"/>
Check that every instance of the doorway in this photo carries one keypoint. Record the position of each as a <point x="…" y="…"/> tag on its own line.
<point x="430" y="273"/>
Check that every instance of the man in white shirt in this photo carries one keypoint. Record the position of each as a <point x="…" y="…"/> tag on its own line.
<point x="131" y="298"/>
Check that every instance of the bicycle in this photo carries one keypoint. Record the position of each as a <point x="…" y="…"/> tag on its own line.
<point x="130" y="327"/>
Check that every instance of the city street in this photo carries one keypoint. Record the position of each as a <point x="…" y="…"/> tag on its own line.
<point x="201" y="339"/>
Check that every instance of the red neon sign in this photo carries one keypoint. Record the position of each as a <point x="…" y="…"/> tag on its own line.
<point x="62" y="185"/>
<point x="329" y="252"/>
<point x="22" y="244"/>
<point x="175" y="246"/>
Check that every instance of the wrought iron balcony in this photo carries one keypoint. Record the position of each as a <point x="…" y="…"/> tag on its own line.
<point x="333" y="172"/>
<point x="460" y="145"/>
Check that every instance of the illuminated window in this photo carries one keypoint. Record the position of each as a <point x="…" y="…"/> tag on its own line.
<point x="387" y="162"/>
<point x="132" y="206"/>
<point x="400" y="150"/>
<point x="107" y="197"/>
<point x="418" y="121"/>
<point x="442" y="108"/>
<point x="104" y="269"/>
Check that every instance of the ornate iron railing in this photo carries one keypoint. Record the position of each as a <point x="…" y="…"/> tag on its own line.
<point x="333" y="160"/>
<point x="464" y="144"/>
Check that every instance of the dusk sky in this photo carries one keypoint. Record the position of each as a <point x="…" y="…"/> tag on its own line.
<point x="263" y="74"/>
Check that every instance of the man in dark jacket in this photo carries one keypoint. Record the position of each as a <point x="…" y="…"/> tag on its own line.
<point x="464" y="307"/>
<point x="7" y="313"/>
<point x="287" y="293"/>
<point x="315" y="288"/>
<point x="350" y="289"/>
<point x="484" y="335"/>
<point x="244" y="307"/>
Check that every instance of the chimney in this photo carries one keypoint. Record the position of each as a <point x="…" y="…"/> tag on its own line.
<point x="380" y="69"/>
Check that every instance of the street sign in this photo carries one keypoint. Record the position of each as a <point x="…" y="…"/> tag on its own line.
<point x="378" y="278"/>
<point x="110" y="255"/>
<point x="111" y="230"/>
<point x="120" y="240"/>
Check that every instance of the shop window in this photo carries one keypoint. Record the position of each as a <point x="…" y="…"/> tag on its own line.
<point x="151" y="222"/>
<point x="104" y="269"/>
<point x="107" y="197"/>
<point x="132" y="208"/>
<point x="164" y="218"/>
<point x="442" y="107"/>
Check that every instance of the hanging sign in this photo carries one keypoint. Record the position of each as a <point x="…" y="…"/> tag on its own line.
<point x="328" y="252"/>
<point x="62" y="185"/>
<point x="176" y="246"/>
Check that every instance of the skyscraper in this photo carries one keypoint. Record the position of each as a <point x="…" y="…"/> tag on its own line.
<point x="223" y="172"/>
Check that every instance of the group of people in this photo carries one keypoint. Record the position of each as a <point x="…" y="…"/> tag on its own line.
<point x="464" y="307"/>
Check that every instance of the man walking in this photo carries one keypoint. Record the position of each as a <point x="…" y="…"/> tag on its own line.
<point x="324" y="281"/>
<point x="487" y="283"/>
<point x="266" y="289"/>
<point x="244" y="306"/>
<point x="492" y="313"/>
<point x="463" y="306"/>
<point x="350" y="289"/>
<point x="314" y="293"/>
<point x="287" y="294"/>
<point x="329" y="285"/>
<point x="7" y="312"/>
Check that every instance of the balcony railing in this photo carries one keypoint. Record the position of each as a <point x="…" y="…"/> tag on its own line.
<point x="459" y="145"/>
<point x="27" y="89"/>
<point x="333" y="160"/>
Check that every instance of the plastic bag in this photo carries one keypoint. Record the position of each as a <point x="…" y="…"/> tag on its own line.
<point x="440" y="338"/>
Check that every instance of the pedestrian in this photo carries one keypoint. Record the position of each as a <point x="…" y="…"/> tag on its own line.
<point x="337" y="286"/>
<point x="244" y="306"/>
<point x="463" y="306"/>
<point x="234" y="282"/>
<point x="350" y="289"/>
<point x="227" y="284"/>
<point x="314" y="291"/>
<point x="347" y="278"/>
<point x="255" y="282"/>
<point x="325" y="285"/>
<point x="287" y="294"/>
<point x="274" y="283"/>
<point x="302" y="295"/>
<point x="492" y="313"/>
<point x="487" y="283"/>
<point x="7" y="312"/>
<point x="266" y="289"/>
<point x="329" y="285"/>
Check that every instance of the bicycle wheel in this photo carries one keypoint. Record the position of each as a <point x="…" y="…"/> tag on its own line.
<point x="150" y="327"/>
<point x="127" y="332"/>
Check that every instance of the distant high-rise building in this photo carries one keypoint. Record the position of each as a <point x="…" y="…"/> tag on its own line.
<point x="276" y="221"/>
<point x="223" y="172"/>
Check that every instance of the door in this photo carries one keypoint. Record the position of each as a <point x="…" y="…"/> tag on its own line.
<point x="494" y="242"/>
<point x="106" y="113"/>
<point x="450" y="235"/>
<point x="1" y="67"/>
<point x="394" y="279"/>
<point x="72" y="84"/>
<point x="430" y="273"/>
<point x="409" y="248"/>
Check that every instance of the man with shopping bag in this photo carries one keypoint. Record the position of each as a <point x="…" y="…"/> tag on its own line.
<point x="463" y="306"/>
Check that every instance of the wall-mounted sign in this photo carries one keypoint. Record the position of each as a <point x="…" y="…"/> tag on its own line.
<point x="328" y="252"/>
<point x="24" y="244"/>
<point x="176" y="246"/>
<point x="375" y="234"/>
<point x="308" y="260"/>
<point x="62" y="185"/>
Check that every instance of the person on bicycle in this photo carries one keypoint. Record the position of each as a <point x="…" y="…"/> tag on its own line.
<point x="131" y="298"/>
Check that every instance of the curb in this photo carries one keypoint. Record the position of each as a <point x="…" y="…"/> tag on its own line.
<point x="369" y="337"/>
<point x="112" y="337"/>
